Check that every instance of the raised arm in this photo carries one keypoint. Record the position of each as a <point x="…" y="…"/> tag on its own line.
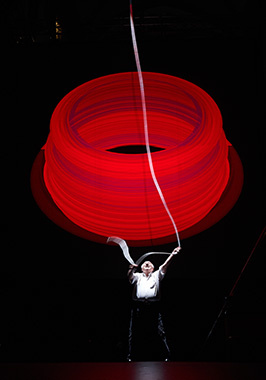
<point x="168" y="260"/>
<point x="132" y="269"/>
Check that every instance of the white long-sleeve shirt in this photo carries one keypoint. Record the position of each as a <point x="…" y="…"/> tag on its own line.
<point x="147" y="286"/>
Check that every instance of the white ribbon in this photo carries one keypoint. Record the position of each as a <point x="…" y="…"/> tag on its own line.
<point x="143" y="101"/>
<point x="124" y="247"/>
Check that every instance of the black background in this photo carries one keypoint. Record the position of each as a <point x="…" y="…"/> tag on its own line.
<point x="67" y="299"/>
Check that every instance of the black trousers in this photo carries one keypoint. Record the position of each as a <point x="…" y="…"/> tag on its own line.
<point x="147" y="338"/>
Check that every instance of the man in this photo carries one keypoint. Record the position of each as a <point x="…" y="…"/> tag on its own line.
<point x="146" y="320"/>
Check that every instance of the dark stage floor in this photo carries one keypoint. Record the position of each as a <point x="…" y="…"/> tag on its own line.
<point x="134" y="371"/>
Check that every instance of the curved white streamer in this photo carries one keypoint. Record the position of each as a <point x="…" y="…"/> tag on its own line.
<point x="142" y="91"/>
<point x="124" y="247"/>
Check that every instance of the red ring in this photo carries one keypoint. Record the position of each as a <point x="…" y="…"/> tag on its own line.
<point x="106" y="193"/>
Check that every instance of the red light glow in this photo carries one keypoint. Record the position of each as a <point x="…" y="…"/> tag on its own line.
<point x="109" y="193"/>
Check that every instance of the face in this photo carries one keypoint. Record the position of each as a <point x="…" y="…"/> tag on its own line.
<point x="147" y="267"/>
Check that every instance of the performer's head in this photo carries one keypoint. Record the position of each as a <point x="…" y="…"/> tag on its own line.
<point x="147" y="267"/>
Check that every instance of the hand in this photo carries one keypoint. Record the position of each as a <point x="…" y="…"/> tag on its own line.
<point x="131" y="266"/>
<point x="176" y="250"/>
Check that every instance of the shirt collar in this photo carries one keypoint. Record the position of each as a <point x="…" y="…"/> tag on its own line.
<point x="144" y="275"/>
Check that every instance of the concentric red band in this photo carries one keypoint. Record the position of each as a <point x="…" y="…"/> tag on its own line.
<point x="108" y="193"/>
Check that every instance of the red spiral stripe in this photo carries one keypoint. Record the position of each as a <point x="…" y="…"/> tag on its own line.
<point x="110" y="193"/>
